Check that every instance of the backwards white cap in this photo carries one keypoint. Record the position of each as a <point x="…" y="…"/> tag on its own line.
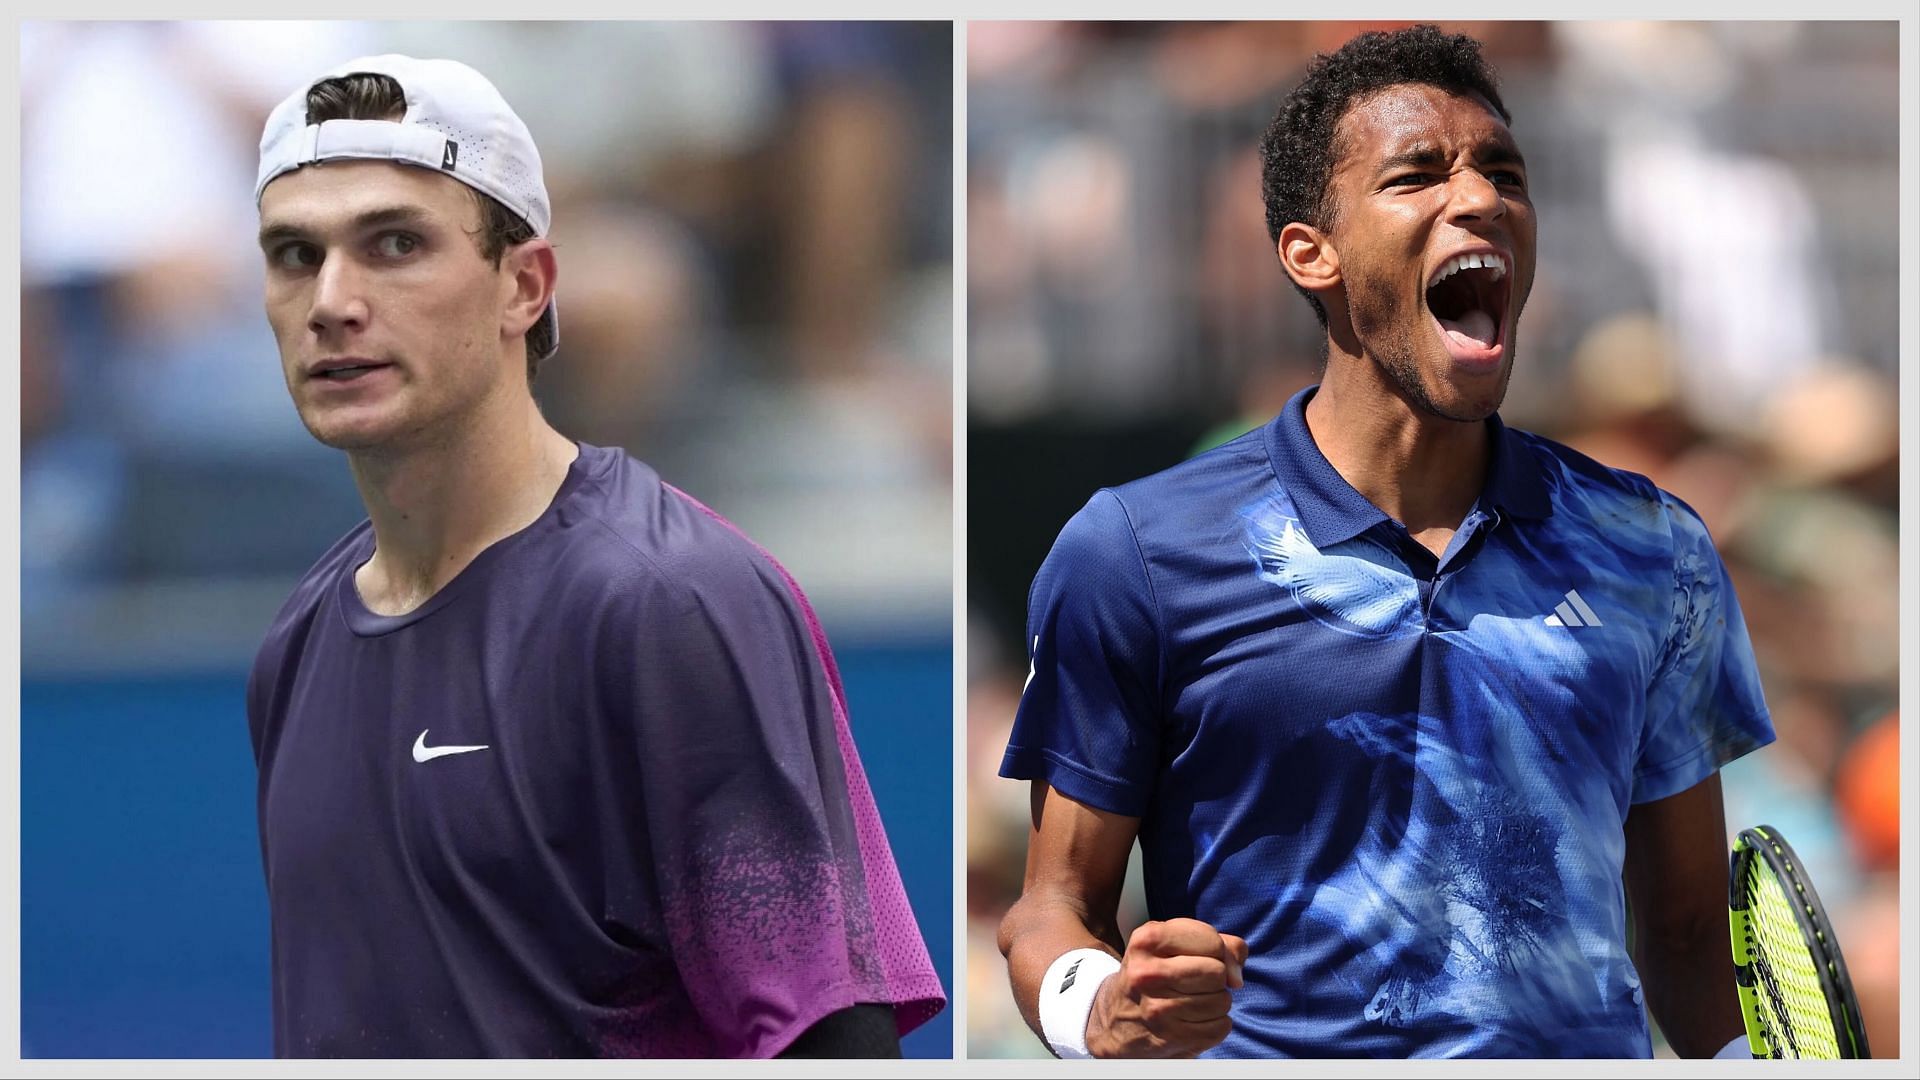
<point x="456" y="123"/>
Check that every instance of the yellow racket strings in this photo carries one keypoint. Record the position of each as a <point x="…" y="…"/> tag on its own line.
<point x="1792" y="1006"/>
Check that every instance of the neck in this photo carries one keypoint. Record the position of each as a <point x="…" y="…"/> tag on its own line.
<point x="1423" y="471"/>
<point x="438" y="503"/>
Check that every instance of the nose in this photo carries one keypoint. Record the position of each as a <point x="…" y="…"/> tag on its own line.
<point x="339" y="302"/>
<point x="1474" y="197"/>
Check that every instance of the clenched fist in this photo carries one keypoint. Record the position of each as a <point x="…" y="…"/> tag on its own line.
<point x="1171" y="995"/>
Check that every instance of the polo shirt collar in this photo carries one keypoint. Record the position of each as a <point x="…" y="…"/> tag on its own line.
<point x="1331" y="510"/>
<point x="1516" y="485"/>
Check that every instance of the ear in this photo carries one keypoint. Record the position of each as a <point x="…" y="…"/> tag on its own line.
<point x="1309" y="257"/>
<point x="531" y="273"/>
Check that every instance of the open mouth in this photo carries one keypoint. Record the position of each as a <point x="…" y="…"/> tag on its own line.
<point x="1468" y="299"/>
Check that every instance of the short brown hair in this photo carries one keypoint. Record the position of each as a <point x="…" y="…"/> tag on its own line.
<point x="373" y="96"/>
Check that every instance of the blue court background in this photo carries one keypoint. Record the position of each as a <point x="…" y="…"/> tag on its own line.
<point x="143" y="918"/>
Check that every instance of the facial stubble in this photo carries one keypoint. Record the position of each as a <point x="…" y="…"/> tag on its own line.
<point x="1391" y="340"/>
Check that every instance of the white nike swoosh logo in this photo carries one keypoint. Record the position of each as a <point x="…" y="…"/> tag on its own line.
<point x="423" y="752"/>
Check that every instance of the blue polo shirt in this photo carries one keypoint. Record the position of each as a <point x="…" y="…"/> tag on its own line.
<point x="1403" y="779"/>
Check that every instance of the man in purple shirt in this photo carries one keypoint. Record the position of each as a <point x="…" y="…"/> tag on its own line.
<point x="553" y="760"/>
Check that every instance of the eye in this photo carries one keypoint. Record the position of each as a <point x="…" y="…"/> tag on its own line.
<point x="296" y="255"/>
<point x="396" y="245"/>
<point x="1507" y="178"/>
<point x="1411" y="179"/>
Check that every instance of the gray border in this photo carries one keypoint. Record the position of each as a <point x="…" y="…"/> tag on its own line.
<point x="1909" y="568"/>
<point x="10" y="587"/>
<point x="1909" y="226"/>
<point x="959" y="1001"/>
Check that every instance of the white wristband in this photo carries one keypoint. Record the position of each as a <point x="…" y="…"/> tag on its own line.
<point x="1066" y="998"/>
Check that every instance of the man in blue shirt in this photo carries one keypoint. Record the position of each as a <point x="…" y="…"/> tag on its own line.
<point x="553" y="760"/>
<point x="1410" y="712"/>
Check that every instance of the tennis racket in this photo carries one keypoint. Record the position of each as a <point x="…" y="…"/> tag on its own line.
<point x="1794" y="990"/>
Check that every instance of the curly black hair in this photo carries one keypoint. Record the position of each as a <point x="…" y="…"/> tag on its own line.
<point x="1298" y="154"/>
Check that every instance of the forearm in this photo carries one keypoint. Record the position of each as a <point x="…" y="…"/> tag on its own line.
<point x="1688" y="979"/>
<point x="1037" y="930"/>
<point x="1676" y="879"/>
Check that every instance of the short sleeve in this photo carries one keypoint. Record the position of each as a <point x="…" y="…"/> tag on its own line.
<point x="780" y="899"/>
<point x="1705" y="707"/>
<point x="1088" y="722"/>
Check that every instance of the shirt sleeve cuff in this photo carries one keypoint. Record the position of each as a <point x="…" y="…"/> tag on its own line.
<point x="1077" y="782"/>
<point x="1654" y="782"/>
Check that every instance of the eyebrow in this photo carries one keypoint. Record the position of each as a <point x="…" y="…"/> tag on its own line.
<point x="281" y="231"/>
<point x="1427" y="155"/>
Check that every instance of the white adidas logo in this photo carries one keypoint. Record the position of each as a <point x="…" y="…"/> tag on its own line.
<point x="1573" y="611"/>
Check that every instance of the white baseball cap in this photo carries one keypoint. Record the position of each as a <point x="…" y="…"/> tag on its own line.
<point x="456" y="123"/>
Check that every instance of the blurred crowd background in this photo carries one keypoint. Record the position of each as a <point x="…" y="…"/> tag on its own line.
<point x="754" y="226"/>
<point x="1715" y="308"/>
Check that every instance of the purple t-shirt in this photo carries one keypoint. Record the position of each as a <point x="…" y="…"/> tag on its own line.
<point x="596" y="797"/>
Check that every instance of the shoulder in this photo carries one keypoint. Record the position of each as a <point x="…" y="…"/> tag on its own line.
<point x="1111" y="540"/>
<point x="1571" y="473"/>
<point x="1170" y="506"/>
<point x="646" y="540"/>
<point x="316" y="586"/>
<point x="1202" y="482"/>
<point x="1603" y="497"/>
<point x="300" y="614"/>
<point x="1108" y="546"/>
